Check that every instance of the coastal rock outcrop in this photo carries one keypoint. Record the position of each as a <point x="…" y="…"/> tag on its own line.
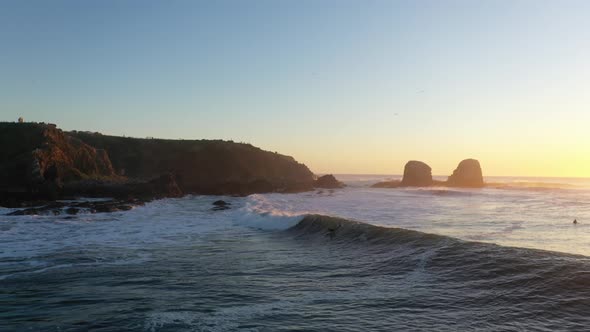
<point x="163" y="186"/>
<point x="328" y="182"/>
<point x="220" y="205"/>
<point x="468" y="174"/>
<point x="416" y="174"/>
<point x="211" y="167"/>
<point x="37" y="159"/>
<point x="74" y="208"/>
<point x="39" y="162"/>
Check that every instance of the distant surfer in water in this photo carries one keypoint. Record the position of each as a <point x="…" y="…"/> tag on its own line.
<point x="575" y="221"/>
<point x="332" y="231"/>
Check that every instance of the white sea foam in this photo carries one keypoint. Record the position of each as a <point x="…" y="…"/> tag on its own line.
<point x="522" y="218"/>
<point x="157" y="223"/>
<point x="536" y="219"/>
<point x="262" y="212"/>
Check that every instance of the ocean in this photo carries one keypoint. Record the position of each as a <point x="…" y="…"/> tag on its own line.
<point x="503" y="258"/>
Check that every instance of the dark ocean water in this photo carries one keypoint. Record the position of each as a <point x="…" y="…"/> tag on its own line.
<point x="175" y="265"/>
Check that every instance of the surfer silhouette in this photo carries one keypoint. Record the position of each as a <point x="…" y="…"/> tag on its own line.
<point x="575" y="221"/>
<point x="332" y="231"/>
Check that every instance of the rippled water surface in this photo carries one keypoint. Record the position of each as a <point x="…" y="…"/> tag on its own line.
<point x="175" y="265"/>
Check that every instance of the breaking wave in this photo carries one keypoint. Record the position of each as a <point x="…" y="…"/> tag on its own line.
<point x="510" y="282"/>
<point x="178" y="265"/>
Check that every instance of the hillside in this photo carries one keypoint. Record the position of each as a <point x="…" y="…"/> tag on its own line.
<point x="40" y="161"/>
<point x="203" y="166"/>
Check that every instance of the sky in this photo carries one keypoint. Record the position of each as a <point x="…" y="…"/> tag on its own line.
<point x="343" y="86"/>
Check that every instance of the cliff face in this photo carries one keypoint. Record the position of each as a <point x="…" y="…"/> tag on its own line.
<point x="32" y="155"/>
<point x="39" y="161"/>
<point x="204" y="166"/>
<point x="35" y="156"/>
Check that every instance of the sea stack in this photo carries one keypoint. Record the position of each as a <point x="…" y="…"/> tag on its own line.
<point x="468" y="174"/>
<point x="328" y="182"/>
<point x="417" y="174"/>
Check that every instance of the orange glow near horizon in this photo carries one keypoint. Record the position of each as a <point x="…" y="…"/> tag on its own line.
<point x="544" y="159"/>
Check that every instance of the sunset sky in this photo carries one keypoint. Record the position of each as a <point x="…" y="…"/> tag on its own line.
<point x="343" y="86"/>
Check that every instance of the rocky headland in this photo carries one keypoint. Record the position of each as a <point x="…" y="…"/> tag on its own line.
<point x="40" y="163"/>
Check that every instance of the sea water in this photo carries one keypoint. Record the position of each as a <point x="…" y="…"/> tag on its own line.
<point x="506" y="257"/>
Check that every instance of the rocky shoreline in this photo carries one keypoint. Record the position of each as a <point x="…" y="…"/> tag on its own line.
<point x="73" y="208"/>
<point x="41" y="165"/>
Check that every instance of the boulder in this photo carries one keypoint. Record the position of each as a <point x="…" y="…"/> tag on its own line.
<point x="220" y="205"/>
<point x="72" y="210"/>
<point x="468" y="174"/>
<point x="417" y="174"/>
<point x="387" y="184"/>
<point x="328" y="181"/>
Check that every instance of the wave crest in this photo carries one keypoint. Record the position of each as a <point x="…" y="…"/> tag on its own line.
<point x="260" y="213"/>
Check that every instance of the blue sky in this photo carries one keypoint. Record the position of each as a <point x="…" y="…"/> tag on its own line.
<point x="344" y="86"/>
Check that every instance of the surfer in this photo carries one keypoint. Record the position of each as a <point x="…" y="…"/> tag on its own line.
<point x="332" y="231"/>
<point x="575" y="221"/>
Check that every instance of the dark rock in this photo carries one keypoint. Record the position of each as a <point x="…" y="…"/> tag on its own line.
<point x="220" y="205"/>
<point x="105" y="208"/>
<point x="53" y="208"/>
<point x="36" y="159"/>
<point x="56" y="208"/>
<point x="328" y="181"/>
<point x="72" y="210"/>
<point x="160" y="187"/>
<point x="163" y="186"/>
<point x="124" y="207"/>
<point x="51" y="173"/>
<point x="417" y="174"/>
<point x="19" y="199"/>
<point x="111" y="206"/>
<point x="468" y="174"/>
<point x="50" y="189"/>
<point x="387" y="184"/>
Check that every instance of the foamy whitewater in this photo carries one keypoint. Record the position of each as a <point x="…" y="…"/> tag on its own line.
<point x="507" y="257"/>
